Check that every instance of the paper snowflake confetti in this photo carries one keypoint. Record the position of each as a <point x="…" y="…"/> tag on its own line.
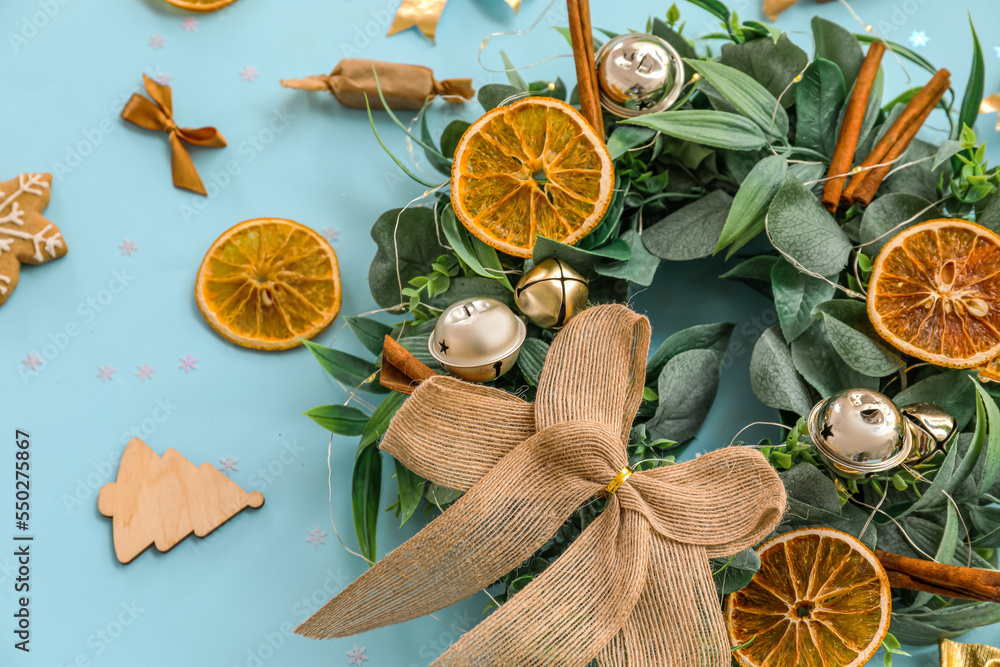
<point x="25" y="236"/>
<point x="32" y="362"/>
<point x="145" y="373"/>
<point x="106" y="373"/>
<point x="128" y="247"/>
<point x="918" y="39"/>
<point x="190" y="24"/>
<point x="228" y="464"/>
<point x="357" y="655"/>
<point x="316" y="538"/>
<point x="163" y="78"/>
<point x="330" y="234"/>
<point x="188" y="364"/>
<point x="156" y="42"/>
<point x="249" y="73"/>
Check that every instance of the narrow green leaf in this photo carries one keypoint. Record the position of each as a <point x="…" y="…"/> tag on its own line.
<point x="531" y="359"/>
<point x="746" y="95"/>
<point x="901" y="50"/>
<point x="753" y="198"/>
<point x="513" y="76"/>
<point x="802" y="229"/>
<point x="969" y="111"/>
<point x="945" y="551"/>
<point x="715" y="7"/>
<point x="991" y="466"/>
<point x="379" y="421"/>
<point x="411" y="491"/>
<point x="352" y="371"/>
<point x="369" y="332"/>
<point x="381" y="143"/>
<point x="437" y="160"/>
<point x="366" y="491"/>
<point x="488" y="259"/>
<point x="459" y="240"/>
<point x="711" y="128"/>
<point x="339" y="419"/>
<point x="626" y="137"/>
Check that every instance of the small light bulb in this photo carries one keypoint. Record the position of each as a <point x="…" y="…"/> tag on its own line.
<point x="552" y="85"/>
<point x="868" y="28"/>
<point x="695" y="77"/>
<point x="797" y="78"/>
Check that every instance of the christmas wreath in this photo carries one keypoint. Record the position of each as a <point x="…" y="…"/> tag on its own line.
<point x="805" y="173"/>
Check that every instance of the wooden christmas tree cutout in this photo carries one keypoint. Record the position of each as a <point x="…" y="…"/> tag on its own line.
<point x="161" y="500"/>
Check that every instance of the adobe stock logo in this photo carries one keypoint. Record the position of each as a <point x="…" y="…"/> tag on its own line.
<point x="32" y="24"/>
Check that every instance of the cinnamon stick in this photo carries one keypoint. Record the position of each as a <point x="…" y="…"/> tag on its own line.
<point x="950" y="580"/>
<point x="582" y="36"/>
<point x="850" y="128"/>
<point x="401" y="371"/>
<point x="897" y="139"/>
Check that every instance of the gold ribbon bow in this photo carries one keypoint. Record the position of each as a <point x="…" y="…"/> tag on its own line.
<point x="635" y="588"/>
<point x="158" y="114"/>
<point x="425" y="14"/>
<point x="954" y="654"/>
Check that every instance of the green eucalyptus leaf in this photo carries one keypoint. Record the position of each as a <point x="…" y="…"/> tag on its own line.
<point x="974" y="88"/>
<point x="795" y="296"/>
<point x="440" y="495"/>
<point x="773" y="376"/>
<point x="836" y="44"/>
<point x="819" y="98"/>
<point x="855" y="339"/>
<point x="451" y="136"/>
<point x="354" y="372"/>
<point x="339" y="419"/>
<point x="755" y="273"/>
<point x="414" y="239"/>
<point x="734" y="573"/>
<point x="411" y="491"/>
<point x="638" y="269"/>
<point x="687" y="387"/>
<point x="366" y="491"/>
<point x="711" y="128"/>
<point x="945" y="152"/>
<point x="492" y="94"/>
<point x="712" y="337"/>
<point x="369" y="332"/>
<point x="752" y="200"/>
<point x="692" y="231"/>
<point x="818" y="362"/>
<point x="802" y="229"/>
<point x="807" y="484"/>
<point x="531" y="359"/>
<point x="775" y="66"/>
<point x="990" y="217"/>
<point x="748" y="97"/>
<point x="884" y="217"/>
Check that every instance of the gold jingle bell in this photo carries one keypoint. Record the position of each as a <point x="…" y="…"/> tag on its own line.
<point x="551" y="293"/>
<point x="860" y="433"/>
<point x="477" y="339"/>
<point x="638" y="73"/>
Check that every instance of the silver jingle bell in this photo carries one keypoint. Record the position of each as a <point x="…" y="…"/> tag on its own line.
<point x="859" y="432"/>
<point x="638" y="74"/>
<point x="477" y="339"/>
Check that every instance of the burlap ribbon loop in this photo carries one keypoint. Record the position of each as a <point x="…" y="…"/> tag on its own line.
<point x="156" y="114"/>
<point x="635" y="588"/>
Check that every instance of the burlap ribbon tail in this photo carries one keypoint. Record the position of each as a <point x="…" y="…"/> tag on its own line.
<point x="157" y="113"/>
<point x="635" y="588"/>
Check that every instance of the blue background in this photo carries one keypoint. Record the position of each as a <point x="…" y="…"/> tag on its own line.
<point x="231" y="599"/>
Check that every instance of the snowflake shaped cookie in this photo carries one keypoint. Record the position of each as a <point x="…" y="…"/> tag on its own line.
<point x="25" y="236"/>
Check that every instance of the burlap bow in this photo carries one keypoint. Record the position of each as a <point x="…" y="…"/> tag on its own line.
<point x="635" y="588"/>
<point x="158" y="114"/>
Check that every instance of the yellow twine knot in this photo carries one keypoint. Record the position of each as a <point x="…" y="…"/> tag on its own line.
<point x="617" y="482"/>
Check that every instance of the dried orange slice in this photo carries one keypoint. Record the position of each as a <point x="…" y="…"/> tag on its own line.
<point x="534" y="167"/>
<point x="200" y="5"/>
<point x="990" y="372"/>
<point x="820" y="599"/>
<point x="935" y="293"/>
<point x="265" y="283"/>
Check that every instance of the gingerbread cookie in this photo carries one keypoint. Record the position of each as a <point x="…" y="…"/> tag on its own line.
<point x="25" y="236"/>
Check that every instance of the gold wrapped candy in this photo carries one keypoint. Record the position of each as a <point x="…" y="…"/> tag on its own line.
<point x="403" y="86"/>
<point x="954" y="654"/>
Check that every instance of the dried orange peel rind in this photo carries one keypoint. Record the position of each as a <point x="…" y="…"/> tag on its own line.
<point x="535" y="167"/>
<point x="935" y="293"/>
<point x="820" y="599"/>
<point x="268" y="282"/>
